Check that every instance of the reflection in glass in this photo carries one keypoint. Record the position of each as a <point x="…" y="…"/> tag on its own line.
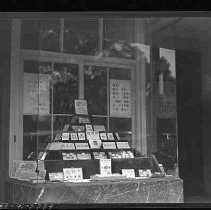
<point x="40" y="34"/>
<point x="118" y="37"/>
<point x="95" y="88"/>
<point x="65" y="88"/>
<point x="81" y="36"/>
<point x="119" y="73"/>
<point x="100" y="121"/>
<point x="60" y="121"/>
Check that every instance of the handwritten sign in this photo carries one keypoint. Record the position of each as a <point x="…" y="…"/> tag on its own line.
<point x="36" y="93"/>
<point x="81" y="107"/>
<point x="120" y="98"/>
<point x="72" y="173"/>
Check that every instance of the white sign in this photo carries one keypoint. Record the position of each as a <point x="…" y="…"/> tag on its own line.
<point x="72" y="173"/>
<point x="81" y="136"/>
<point x="73" y="136"/>
<point x="36" y="93"/>
<point x="130" y="173"/>
<point x="65" y="136"/>
<point x="110" y="136"/>
<point x="109" y="145"/>
<point x="81" y="107"/>
<point x="105" y="167"/>
<point x="120" y="98"/>
<point x="59" y="176"/>
<point x="82" y="146"/>
<point x="122" y="145"/>
<point x="95" y="143"/>
<point x="67" y="146"/>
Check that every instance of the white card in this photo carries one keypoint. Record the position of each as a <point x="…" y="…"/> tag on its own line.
<point x="56" y="176"/>
<point x="72" y="173"/>
<point x="110" y="136"/>
<point x="145" y="173"/>
<point x="123" y="145"/>
<point x="103" y="136"/>
<point x="81" y="107"/>
<point x="105" y="167"/>
<point x="67" y="146"/>
<point x="95" y="143"/>
<point x="73" y="136"/>
<point x="84" y="156"/>
<point x="81" y="146"/>
<point x="65" y="136"/>
<point x="130" y="173"/>
<point x="109" y="145"/>
<point x="81" y="136"/>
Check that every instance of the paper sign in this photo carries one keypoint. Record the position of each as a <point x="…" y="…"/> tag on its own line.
<point x="67" y="146"/>
<point x="81" y="136"/>
<point x="69" y="156"/>
<point x="103" y="136"/>
<point x="72" y="173"/>
<point x="105" y="167"/>
<point x="88" y="127"/>
<point x="59" y="176"/>
<point x="84" y="156"/>
<point x="130" y="173"/>
<point x="73" y="136"/>
<point x="120" y="98"/>
<point x="99" y="128"/>
<point x="109" y="145"/>
<point x="123" y="145"/>
<point x="95" y="143"/>
<point x="36" y="96"/>
<point x="145" y="173"/>
<point x="81" y="107"/>
<point x="65" y="136"/>
<point x="110" y="136"/>
<point x="82" y="145"/>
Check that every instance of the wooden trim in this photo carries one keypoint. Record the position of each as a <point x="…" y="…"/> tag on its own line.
<point x="15" y="148"/>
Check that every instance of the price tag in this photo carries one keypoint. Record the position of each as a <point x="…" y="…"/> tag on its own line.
<point x="109" y="145"/>
<point x="65" y="136"/>
<point x="56" y="176"/>
<point x="82" y="146"/>
<point x="81" y="136"/>
<point x="95" y="143"/>
<point x="130" y="173"/>
<point x="67" y="146"/>
<point x="105" y="167"/>
<point x="123" y="145"/>
<point x="110" y="136"/>
<point x="103" y="136"/>
<point x="73" y="136"/>
<point x="72" y="173"/>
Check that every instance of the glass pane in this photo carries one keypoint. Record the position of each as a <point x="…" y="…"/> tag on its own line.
<point x="65" y="87"/>
<point x="119" y="73"/>
<point x="81" y="36"/>
<point x="100" y="121"/>
<point x="60" y="121"/>
<point x="95" y="89"/>
<point x="40" y="34"/>
<point x="118" y="37"/>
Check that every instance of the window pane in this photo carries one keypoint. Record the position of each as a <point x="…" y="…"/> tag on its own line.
<point x="100" y="121"/>
<point x="95" y="88"/>
<point x="120" y="124"/>
<point x="65" y="88"/>
<point x="60" y="121"/>
<point x="81" y="36"/>
<point x="119" y="73"/>
<point x="40" y="34"/>
<point x="117" y="38"/>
